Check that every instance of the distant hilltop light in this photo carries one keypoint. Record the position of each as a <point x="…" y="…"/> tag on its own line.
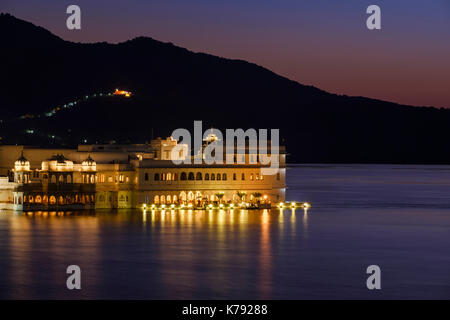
<point x="122" y="93"/>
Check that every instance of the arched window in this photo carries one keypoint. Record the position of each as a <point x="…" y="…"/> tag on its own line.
<point x="163" y="199"/>
<point x="251" y="176"/>
<point x="24" y="199"/>
<point x="169" y="177"/>
<point x="182" y="196"/>
<point x="61" y="200"/>
<point x="146" y="176"/>
<point x="183" y="176"/>
<point x="224" y="176"/>
<point x="53" y="179"/>
<point x="30" y="199"/>
<point x="198" y="176"/>
<point x="234" y="176"/>
<point x="156" y="199"/>
<point x="163" y="177"/>
<point x="206" y="176"/>
<point x="38" y="199"/>
<point x="20" y="200"/>
<point x="122" y="197"/>
<point x="92" y="178"/>
<point x="213" y="176"/>
<point x="243" y="176"/>
<point x="175" y="177"/>
<point x="191" y="176"/>
<point x="169" y="199"/>
<point x="218" y="176"/>
<point x="69" y="179"/>
<point x="175" y="199"/>
<point x="156" y="178"/>
<point x="61" y="178"/>
<point x="45" y="199"/>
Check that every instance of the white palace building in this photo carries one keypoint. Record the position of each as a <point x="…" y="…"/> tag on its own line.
<point x="131" y="176"/>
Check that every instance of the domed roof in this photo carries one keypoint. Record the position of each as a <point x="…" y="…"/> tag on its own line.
<point x="22" y="158"/>
<point x="89" y="164"/>
<point x="58" y="162"/>
<point x="89" y="160"/>
<point x="58" y="158"/>
<point x="22" y="164"/>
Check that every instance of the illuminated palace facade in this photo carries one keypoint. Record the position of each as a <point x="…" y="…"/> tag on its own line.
<point x="129" y="176"/>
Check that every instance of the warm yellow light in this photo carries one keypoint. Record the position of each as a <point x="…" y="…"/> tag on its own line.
<point x="281" y="204"/>
<point x="173" y="206"/>
<point x="210" y="205"/>
<point x="163" y="206"/>
<point x="221" y="205"/>
<point x="231" y="205"/>
<point x="293" y="204"/>
<point x="306" y="205"/>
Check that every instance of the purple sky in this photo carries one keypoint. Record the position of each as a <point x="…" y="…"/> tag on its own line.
<point x="324" y="43"/>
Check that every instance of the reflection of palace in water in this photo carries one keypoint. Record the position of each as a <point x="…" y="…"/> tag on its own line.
<point x="127" y="176"/>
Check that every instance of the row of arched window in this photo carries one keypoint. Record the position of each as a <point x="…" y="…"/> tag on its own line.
<point x="199" y="176"/>
<point x="52" y="200"/>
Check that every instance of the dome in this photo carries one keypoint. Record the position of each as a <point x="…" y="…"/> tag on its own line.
<point x="89" y="164"/>
<point x="57" y="163"/>
<point x="22" y="164"/>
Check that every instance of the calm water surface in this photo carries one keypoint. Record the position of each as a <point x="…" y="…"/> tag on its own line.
<point x="397" y="217"/>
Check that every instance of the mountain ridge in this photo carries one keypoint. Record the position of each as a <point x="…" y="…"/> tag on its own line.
<point x="174" y="86"/>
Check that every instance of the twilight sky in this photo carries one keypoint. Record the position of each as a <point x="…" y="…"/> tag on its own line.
<point x="324" y="43"/>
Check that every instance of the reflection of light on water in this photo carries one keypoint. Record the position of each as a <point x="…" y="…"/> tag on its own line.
<point x="265" y="216"/>
<point x="265" y="256"/>
<point x="293" y="216"/>
<point x="305" y="223"/>
<point x="50" y="242"/>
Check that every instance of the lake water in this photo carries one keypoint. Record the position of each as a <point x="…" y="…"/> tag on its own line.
<point x="396" y="217"/>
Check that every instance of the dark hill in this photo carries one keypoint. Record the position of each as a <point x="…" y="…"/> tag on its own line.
<point x="173" y="86"/>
